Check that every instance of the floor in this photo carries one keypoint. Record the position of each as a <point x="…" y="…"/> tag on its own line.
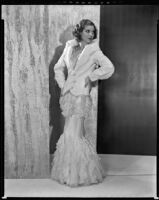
<point x="127" y="176"/>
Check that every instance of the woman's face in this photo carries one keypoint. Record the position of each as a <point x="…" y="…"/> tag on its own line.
<point x="87" y="34"/>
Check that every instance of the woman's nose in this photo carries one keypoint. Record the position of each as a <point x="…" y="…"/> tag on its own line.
<point x="91" y="34"/>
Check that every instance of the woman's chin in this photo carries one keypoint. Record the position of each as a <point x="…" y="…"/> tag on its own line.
<point x="89" y="41"/>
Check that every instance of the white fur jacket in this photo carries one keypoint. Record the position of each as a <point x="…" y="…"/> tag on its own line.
<point x="91" y="62"/>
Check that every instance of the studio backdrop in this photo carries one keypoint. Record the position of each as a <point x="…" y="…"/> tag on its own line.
<point x="127" y="101"/>
<point x="35" y="36"/>
<point x="123" y="119"/>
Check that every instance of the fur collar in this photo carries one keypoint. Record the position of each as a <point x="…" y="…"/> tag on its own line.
<point x="88" y="50"/>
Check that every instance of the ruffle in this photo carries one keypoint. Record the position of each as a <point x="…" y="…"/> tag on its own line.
<point x="76" y="163"/>
<point x="79" y="105"/>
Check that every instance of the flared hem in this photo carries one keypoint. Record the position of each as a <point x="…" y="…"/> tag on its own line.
<point x="76" y="163"/>
<point x="79" y="184"/>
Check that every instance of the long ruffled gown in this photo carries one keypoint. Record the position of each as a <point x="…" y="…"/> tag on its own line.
<point x="75" y="161"/>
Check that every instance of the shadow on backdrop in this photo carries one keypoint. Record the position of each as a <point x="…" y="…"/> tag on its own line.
<point x="56" y="118"/>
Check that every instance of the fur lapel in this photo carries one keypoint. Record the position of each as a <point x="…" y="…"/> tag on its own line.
<point x="85" y="54"/>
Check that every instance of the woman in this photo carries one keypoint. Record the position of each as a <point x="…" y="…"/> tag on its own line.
<point x="75" y="161"/>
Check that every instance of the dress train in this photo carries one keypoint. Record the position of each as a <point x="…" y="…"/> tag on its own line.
<point x="75" y="161"/>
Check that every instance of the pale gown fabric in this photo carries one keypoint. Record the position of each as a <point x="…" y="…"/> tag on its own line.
<point x="75" y="161"/>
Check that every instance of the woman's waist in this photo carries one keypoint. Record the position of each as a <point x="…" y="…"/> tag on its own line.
<point x="80" y="74"/>
<point x="75" y="95"/>
<point x="76" y="85"/>
<point x="72" y="78"/>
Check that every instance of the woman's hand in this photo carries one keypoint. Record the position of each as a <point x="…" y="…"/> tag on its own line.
<point x="62" y="91"/>
<point x="88" y="83"/>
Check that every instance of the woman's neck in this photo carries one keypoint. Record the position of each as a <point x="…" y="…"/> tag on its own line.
<point x="82" y="44"/>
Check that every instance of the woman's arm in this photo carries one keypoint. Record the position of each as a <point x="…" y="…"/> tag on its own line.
<point x="59" y="69"/>
<point x="105" y="70"/>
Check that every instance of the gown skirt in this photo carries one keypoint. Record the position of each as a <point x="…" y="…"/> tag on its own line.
<point x="75" y="161"/>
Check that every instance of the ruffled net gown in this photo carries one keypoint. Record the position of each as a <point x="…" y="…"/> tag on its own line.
<point x="75" y="161"/>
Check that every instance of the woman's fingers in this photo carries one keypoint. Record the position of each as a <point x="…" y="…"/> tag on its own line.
<point x="87" y="81"/>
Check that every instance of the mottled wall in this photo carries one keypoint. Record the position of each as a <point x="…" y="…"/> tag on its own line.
<point x="26" y="91"/>
<point x="34" y="40"/>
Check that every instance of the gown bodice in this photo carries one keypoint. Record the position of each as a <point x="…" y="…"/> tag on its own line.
<point x="76" y="51"/>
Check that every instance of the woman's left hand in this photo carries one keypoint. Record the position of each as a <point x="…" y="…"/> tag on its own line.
<point x="88" y="82"/>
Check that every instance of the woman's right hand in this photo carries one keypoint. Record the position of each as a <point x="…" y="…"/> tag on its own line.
<point x="62" y="91"/>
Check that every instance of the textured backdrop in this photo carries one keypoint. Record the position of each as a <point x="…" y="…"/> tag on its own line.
<point x="34" y="39"/>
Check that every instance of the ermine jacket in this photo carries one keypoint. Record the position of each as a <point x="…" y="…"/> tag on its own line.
<point x="91" y="62"/>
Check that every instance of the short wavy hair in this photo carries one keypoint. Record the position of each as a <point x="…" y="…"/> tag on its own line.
<point x="80" y="26"/>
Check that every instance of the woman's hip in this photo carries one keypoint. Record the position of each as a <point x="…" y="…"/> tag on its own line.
<point x="71" y="104"/>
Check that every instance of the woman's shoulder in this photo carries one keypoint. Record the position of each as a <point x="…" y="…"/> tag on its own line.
<point x="72" y="42"/>
<point x="94" y="47"/>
